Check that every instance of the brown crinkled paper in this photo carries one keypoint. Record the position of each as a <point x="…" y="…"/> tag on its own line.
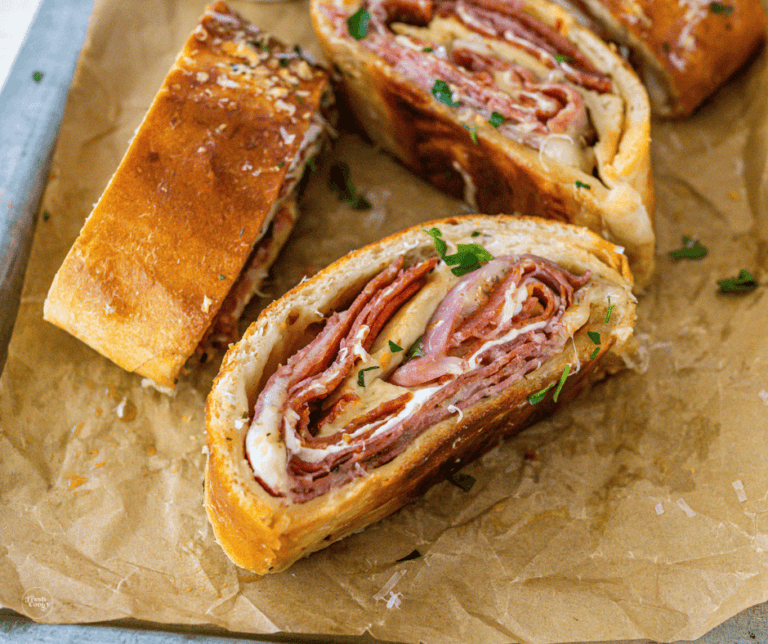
<point x="637" y="512"/>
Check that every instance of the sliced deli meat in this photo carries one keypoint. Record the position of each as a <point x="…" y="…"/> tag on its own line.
<point x="509" y="104"/>
<point x="398" y="364"/>
<point x="200" y="205"/>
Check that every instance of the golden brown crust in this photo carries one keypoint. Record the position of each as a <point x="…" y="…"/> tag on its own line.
<point x="266" y="534"/>
<point x="684" y="51"/>
<point x="507" y="176"/>
<point x="174" y="227"/>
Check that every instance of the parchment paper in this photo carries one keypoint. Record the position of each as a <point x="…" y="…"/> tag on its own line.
<point x="637" y="512"/>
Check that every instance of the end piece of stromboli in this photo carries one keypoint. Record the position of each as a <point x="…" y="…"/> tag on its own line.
<point x="390" y="369"/>
<point x="511" y="105"/>
<point x="201" y="203"/>
<point x="683" y="51"/>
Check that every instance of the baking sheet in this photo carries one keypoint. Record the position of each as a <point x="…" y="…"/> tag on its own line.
<point x="638" y="512"/>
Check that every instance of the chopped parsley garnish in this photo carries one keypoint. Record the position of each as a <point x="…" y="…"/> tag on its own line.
<point x="561" y="58"/>
<point x="284" y="62"/>
<point x="472" y="132"/>
<point x="443" y="94"/>
<point x="46" y="215"/>
<point x="361" y="376"/>
<point x="595" y="337"/>
<point x="394" y="348"/>
<point x="476" y="233"/>
<point x="37" y="76"/>
<point x="721" y="8"/>
<point x="222" y="277"/>
<point x="415" y="350"/>
<point x="427" y="50"/>
<point x="496" y="119"/>
<point x="347" y="192"/>
<point x="467" y="257"/>
<point x="281" y="164"/>
<point x="742" y="282"/>
<point x="691" y="249"/>
<point x="463" y="481"/>
<point x="357" y="24"/>
<point x="536" y="398"/>
<point x="560" y="384"/>
<point x="581" y="184"/>
<point x="610" y="308"/>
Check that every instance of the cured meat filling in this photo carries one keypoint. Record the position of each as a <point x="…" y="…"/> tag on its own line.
<point x="352" y="399"/>
<point x="498" y="62"/>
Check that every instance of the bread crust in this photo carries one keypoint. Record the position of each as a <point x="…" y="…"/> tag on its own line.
<point x="504" y="175"/>
<point x="192" y="196"/>
<point x="266" y="534"/>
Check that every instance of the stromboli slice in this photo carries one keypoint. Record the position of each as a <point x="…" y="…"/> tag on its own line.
<point x="683" y="51"/>
<point x="200" y="204"/>
<point x="510" y="104"/>
<point x="321" y="421"/>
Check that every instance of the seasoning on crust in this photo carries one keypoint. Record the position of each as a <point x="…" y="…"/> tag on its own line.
<point x="322" y="421"/>
<point x="200" y="204"/>
<point x="511" y="105"/>
<point x="683" y="50"/>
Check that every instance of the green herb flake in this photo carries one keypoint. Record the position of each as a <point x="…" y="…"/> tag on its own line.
<point x="37" y="76"/>
<point x="562" y="58"/>
<point x="560" y="384"/>
<point x="281" y="164"/>
<point x="46" y="215"/>
<point x="415" y="350"/>
<point x="357" y="24"/>
<point x="222" y="277"/>
<point x="467" y="257"/>
<point x="594" y="353"/>
<point x="347" y="192"/>
<point x="427" y="50"/>
<point x="721" y="8"/>
<point x="496" y="119"/>
<point x="283" y="62"/>
<point x="581" y="184"/>
<point x="443" y="94"/>
<point x="594" y="336"/>
<point x="394" y="348"/>
<point x="610" y="308"/>
<point x="472" y="132"/>
<point x="312" y="163"/>
<point x="742" y="282"/>
<point x="440" y="244"/>
<point x="536" y="398"/>
<point x="361" y="376"/>
<point x="692" y="249"/>
<point x="463" y="481"/>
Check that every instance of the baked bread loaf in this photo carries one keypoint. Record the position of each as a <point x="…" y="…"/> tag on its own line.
<point x="199" y="205"/>
<point x="396" y="365"/>
<point x="683" y="51"/>
<point x="512" y="105"/>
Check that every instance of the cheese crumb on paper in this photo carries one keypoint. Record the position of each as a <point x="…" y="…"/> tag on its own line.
<point x="738" y="486"/>
<point x="686" y="508"/>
